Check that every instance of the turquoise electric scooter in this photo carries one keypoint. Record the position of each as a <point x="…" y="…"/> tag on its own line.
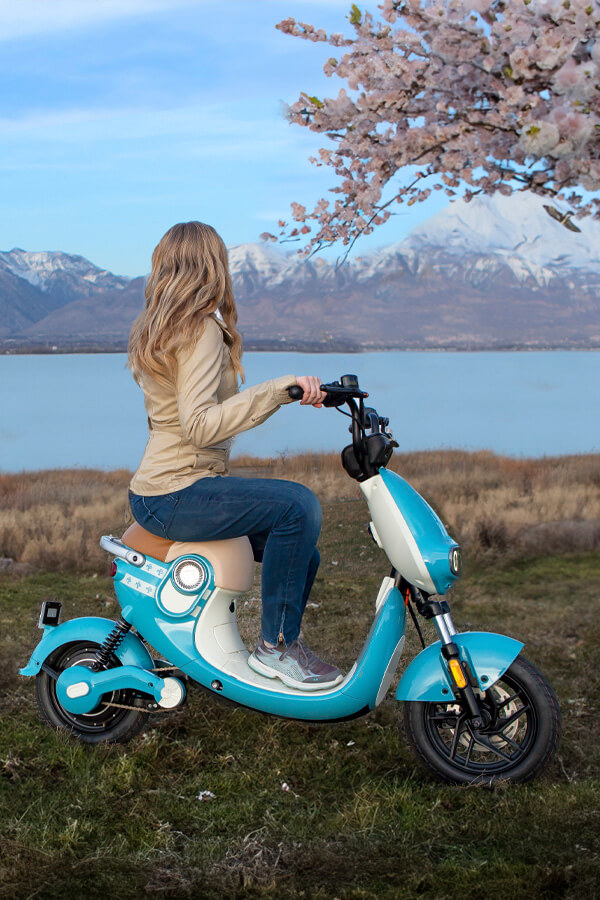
<point x="475" y="710"/>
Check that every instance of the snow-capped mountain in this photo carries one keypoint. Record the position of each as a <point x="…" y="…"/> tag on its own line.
<point x="489" y="234"/>
<point x="261" y="259"/>
<point x="50" y="269"/>
<point x="35" y="285"/>
<point x="498" y="271"/>
<point x="515" y="230"/>
<point x="510" y="226"/>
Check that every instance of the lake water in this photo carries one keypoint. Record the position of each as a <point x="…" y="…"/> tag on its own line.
<point x="86" y="410"/>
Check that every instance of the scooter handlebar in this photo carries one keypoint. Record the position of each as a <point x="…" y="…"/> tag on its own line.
<point x="338" y="394"/>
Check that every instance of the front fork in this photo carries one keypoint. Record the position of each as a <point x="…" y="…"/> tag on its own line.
<point x="461" y="676"/>
<point x="457" y="668"/>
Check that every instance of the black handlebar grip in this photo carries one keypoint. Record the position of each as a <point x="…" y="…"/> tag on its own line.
<point x="296" y="392"/>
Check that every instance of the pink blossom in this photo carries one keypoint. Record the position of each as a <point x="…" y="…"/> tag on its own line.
<point x="471" y="92"/>
<point x="539" y="138"/>
<point x="298" y="211"/>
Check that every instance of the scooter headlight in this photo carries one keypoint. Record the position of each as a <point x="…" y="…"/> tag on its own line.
<point x="455" y="561"/>
<point x="189" y="575"/>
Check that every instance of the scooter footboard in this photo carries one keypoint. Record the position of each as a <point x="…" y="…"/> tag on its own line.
<point x="488" y="655"/>
<point x="131" y="651"/>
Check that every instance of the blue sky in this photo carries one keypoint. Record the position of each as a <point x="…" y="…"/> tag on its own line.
<point x="121" y="117"/>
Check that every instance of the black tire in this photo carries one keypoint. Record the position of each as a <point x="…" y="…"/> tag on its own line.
<point x="517" y="743"/>
<point x="105" y="724"/>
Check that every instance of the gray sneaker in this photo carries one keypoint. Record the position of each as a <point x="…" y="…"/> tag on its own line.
<point x="295" y="665"/>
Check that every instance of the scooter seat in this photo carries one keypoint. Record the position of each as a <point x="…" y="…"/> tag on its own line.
<point x="232" y="559"/>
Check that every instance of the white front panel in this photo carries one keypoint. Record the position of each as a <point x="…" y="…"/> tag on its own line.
<point x="218" y="640"/>
<point x="395" y="535"/>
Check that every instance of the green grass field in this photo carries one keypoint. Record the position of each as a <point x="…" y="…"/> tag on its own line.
<point x="360" y="818"/>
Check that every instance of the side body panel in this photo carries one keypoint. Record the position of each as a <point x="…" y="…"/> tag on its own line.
<point x="176" y="638"/>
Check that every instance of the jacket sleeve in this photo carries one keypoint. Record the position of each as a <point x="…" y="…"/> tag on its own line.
<point x="203" y="419"/>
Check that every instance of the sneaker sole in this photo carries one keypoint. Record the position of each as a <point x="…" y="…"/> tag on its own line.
<point x="268" y="672"/>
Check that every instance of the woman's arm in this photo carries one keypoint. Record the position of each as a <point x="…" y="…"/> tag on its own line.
<point x="203" y="419"/>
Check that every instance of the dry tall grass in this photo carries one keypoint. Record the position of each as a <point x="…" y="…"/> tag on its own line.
<point x="54" y="518"/>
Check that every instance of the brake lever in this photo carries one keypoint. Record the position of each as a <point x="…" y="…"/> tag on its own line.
<point x="334" y="397"/>
<point x="341" y="394"/>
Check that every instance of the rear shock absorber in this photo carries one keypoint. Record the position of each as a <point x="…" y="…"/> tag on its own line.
<point x="102" y="658"/>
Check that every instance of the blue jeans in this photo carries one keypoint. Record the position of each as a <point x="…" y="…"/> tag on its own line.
<point x="282" y="520"/>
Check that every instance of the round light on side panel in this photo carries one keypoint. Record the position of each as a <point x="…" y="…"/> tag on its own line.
<point x="189" y="575"/>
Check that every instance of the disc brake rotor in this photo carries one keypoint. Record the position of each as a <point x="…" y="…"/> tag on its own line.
<point x="501" y="695"/>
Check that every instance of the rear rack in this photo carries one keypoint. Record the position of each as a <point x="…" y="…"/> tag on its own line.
<point x="116" y="546"/>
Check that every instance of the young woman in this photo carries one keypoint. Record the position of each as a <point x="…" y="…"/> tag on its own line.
<point x="185" y="353"/>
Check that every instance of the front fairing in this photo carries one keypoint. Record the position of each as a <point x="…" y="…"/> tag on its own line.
<point x="412" y="535"/>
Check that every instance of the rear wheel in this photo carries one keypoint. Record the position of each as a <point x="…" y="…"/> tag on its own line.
<point x="107" y="723"/>
<point x="517" y="741"/>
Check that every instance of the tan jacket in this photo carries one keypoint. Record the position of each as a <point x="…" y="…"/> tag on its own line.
<point x="193" y="421"/>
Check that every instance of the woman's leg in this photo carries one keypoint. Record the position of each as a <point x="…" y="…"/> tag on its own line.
<point x="313" y="568"/>
<point x="226" y="507"/>
<point x="258" y="544"/>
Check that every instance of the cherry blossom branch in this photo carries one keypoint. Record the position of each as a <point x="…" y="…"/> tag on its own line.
<point x="477" y="90"/>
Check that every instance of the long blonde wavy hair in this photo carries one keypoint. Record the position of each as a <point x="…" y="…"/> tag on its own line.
<point x="189" y="280"/>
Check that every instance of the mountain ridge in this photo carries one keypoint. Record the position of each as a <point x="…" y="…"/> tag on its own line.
<point x="495" y="273"/>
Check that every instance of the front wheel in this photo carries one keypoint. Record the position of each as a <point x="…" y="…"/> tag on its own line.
<point x="517" y="741"/>
<point x="109" y="722"/>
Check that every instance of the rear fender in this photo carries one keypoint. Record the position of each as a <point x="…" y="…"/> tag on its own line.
<point x="131" y="651"/>
<point x="427" y="678"/>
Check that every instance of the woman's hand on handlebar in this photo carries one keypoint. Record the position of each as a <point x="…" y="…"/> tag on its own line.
<point x="311" y="385"/>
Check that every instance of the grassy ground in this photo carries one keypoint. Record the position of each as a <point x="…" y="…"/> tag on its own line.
<point x="360" y="819"/>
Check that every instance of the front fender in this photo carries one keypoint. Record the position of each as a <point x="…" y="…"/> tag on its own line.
<point x="489" y="656"/>
<point x="131" y="652"/>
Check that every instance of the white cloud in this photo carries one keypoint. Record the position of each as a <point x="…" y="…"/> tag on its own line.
<point x="105" y="124"/>
<point x="23" y="18"/>
<point x="194" y="132"/>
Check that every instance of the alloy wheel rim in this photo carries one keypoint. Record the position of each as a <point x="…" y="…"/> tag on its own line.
<point x="497" y="747"/>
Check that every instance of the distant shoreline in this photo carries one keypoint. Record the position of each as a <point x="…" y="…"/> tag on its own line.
<point x="275" y="346"/>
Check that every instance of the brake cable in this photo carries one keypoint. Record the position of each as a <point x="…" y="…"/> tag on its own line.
<point x="408" y="602"/>
<point x="416" y="623"/>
